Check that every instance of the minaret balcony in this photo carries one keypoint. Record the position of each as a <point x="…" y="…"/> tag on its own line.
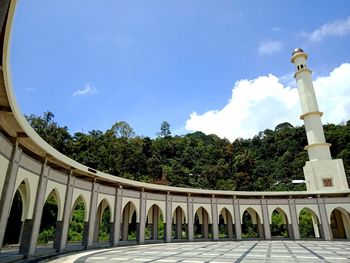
<point x="302" y="117"/>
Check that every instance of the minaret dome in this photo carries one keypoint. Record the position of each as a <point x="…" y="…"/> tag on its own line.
<point x="299" y="58"/>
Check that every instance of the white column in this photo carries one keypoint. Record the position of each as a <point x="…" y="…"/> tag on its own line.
<point x="8" y="190"/>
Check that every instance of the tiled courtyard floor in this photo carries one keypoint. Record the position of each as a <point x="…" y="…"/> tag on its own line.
<point x="215" y="252"/>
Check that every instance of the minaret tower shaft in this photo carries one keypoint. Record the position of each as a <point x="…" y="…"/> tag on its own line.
<point x="321" y="172"/>
<point x="317" y="147"/>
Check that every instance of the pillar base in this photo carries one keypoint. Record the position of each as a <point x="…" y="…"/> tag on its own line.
<point x="26" y="248"/>
<point x="59" y="243"/>
<point x="86" y="236"/>
<point x="325" y="175"/>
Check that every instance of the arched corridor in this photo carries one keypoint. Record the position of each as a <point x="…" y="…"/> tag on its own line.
<point x="179" y="228"/>
<point x="103" y="222"/>
<point x="18" y="213"/>
<point x="251" y="224"/>
<point x="279" y="224"/>
<point x="14" y="225"/>
<point x="340" y="224"/>
<point x="225" y="223"/>
<point x="48" y="220"/>
<point x="129" y="226"/>
<point x="201" y="224"/>
<point x="77" y="222"/>
<point x="309" y="224"/>
<point x="154" y="223"/>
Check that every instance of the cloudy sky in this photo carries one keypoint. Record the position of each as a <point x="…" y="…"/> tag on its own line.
<point x="219" y="67"/>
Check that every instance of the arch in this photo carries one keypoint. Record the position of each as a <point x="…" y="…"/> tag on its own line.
<point x="149" y="215"/>
<point x="225" y="223"/>
<point x="160" y="204"/>
<point x="77" y="200"/>
<point x="179" y="231"/>
<point x="280" y="208"/>
<point x="110" y="199"/>
<point x="133" y="209"/>
<point x="102" y="228"/>
<point x="31" y="180"/>
<point x="80" y="197"/>
<point x="309" y="226"/>
<point x="279" y="224"/>
<point x="251" y="224"/>
<point x="206" y="207"/>
<point x="253" y="209"/>
<point x="281" y="212"/>
<point x="60" y="191"/>
<point x="310" y="207"/>
<point x="129" y="221"/>
<point x="201" y="223"/>
<point x="154" y="223"/>
<point x="226" y="213"/>
<point x="340" y="223"/>
<point x="56" y="193"/>
<point x="183" y="215"/>
<point x="183" y="207"/>
<point x="229" y="208"/>
<point x="330" y="207"/>
<point x="24" y="191"/>
<point x="253" y="213"/>
<point x="310" y="210"/>
<point x="199" y="212"/>
<point x="77" y="222"/>
<point x="49" y="218"/>
<point x="104" y="203"/>
<point x="135" y="205"/>
<point x="14" y="226"/>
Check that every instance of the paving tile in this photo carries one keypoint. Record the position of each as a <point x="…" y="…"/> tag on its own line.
<point x="223" y="252"/>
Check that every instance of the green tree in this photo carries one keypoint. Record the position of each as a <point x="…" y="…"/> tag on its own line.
<point x="122" y="129"/>
<point x="57" y="136"/>
<point x="164" y="129"/>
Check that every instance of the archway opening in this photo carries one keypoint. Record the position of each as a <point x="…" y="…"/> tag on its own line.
<point x="309" y="226"/>
<point x="103" y="223"/>
<point x="201" y="224"/>
<point x="179" y="227"/>
<point x="279" y="224"/>
<point x="154" y="223"/>
<point x="14" y="223"/>
<point x="48" y="220"/>
<point x="340" y="224"/>
<point x="129" y="223"/>
<point x="225" y="225"/>
<point x="77" y="222"/>
<point x="251" y="225"/>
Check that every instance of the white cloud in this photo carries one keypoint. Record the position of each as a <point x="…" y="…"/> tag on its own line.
<point x="264" y="102"/>
<point x="276" y="29"/>
<point x="30" y="89"/>
<point x="269" y="47"/>
<point x="87" y="90"/>
<point x="339" y="27"/>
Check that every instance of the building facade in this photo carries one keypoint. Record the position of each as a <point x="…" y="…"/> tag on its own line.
<point x="33" y="171"/>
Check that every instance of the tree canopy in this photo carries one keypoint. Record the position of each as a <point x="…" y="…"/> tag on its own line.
<point x="268" y="161"/>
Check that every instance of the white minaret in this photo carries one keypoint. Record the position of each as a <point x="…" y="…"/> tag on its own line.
<point x="321" y="172"/>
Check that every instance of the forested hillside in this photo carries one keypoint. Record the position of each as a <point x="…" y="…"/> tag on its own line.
<point x="268" y="161"/>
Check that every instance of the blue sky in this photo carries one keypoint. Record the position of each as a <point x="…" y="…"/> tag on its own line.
<point x="217" y="66"/>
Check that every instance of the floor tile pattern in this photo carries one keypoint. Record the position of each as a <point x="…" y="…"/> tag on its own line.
<point x="222" y="252"/>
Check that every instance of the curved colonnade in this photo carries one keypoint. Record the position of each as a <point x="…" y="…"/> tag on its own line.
<point x="32" y="168"/>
